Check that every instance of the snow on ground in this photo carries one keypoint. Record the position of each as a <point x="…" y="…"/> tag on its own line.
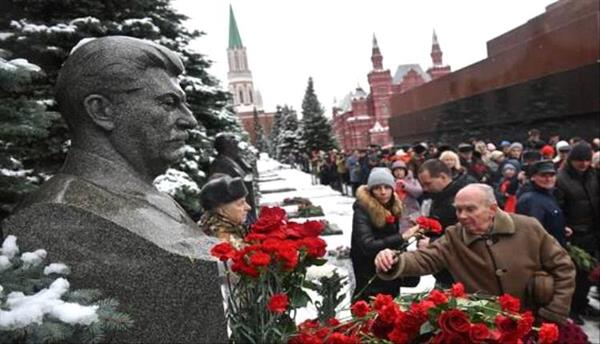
<point x="275" y="178"/>
<point x="275" y="182"/>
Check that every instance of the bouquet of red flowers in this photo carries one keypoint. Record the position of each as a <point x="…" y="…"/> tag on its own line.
<point x="431" y="226"/>
<point x="450" y="316"/>
<point x="270" y="269"/>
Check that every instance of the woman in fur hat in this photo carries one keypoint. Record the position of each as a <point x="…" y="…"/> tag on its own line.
<point x="375" y="226"/>
<point x="224" y="201"/>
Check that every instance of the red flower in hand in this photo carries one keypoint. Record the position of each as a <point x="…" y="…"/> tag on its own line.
<point x="390" y="219"/>
<point x="548" y="333"/>
<point x="278" y="303"/>
<point x="509" y="303"/>
<point x="430" y="225"/>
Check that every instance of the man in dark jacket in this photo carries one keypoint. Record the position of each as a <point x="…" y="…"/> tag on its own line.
<point x="579" y="197"/>
<point x="439" y="191"/>
<point x="536" y="199"/>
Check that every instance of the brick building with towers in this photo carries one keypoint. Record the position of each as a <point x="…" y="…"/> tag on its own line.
<point x="246" y="98"/>
<point x="360" y="119"/>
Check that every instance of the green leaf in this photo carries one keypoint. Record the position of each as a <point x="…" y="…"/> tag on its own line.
<point x="426" y="328"/>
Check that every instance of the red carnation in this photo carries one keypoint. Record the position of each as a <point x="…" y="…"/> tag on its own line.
<point x="293" y="230"/>
<point x="525" y="322"/>
<point x="509" y="303"/>
<point x="508" y="328"/>
<point x="311" y="228"/>
<point x="398" y="337"/>
<point x="548" y="333"/>
<point x="478" y="333"/>
<point x="431" y="226"/>
<point x="390" y="219"/>
<point x="287" y="253"/>
<point x="269" y="220"/>
<point x="260" y="259"/>
<point x="251" y="237"/>
<point x="454" y="321"/>
<point x="458" y="290"/>
<point x="340" y="338"/>
<point x="382" y="300"/>
<point x="278" y="303"/>
<point x="333" y="322"/>
<point x="389" y="313"/>
<point x="315" y="246"/>
<point x="437" y="297"/>
<point x="224" y="251"/>
<point x="244" y="269"/>
<point x="360" y="309"/>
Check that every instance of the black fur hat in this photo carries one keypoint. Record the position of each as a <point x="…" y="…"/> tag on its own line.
<point x="221" y="189"/>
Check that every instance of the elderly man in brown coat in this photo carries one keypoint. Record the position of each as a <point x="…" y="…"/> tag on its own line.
<point x="493" y="252"/>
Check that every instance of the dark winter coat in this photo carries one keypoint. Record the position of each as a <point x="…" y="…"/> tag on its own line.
<point x="371" y="234"/>
<point x="502" y="262"/>
<point x="442" y="203"/>
<point x="541" y="204"/>
<point x="579" y="196"/>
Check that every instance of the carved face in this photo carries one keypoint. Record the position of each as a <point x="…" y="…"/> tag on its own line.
<point x="151" y="123"/>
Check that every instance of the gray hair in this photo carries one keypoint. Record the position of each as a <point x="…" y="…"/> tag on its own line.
<point x="488" y="192"/>
<point x="108" y="65"/>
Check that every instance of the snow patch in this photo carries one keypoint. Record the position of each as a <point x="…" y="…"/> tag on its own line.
<point x="34" y="258"/>
<point x="173" y="180"/>
<point x="9" y="246"/>
<point x="57" y="268"/>
<point x="25" y="310"/>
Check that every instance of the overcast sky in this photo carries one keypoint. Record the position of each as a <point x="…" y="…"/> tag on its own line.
<point x="288" y="40"/>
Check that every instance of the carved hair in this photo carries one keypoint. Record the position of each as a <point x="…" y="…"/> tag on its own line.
<point x="106" y="66"/>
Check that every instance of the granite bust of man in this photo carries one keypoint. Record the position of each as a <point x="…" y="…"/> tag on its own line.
<point x="101" y="214"/>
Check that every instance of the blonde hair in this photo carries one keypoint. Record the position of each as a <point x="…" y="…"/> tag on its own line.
<point x="450" y="154"/>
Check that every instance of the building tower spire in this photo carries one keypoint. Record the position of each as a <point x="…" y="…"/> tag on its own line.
<point x="438" y="69"/>
<point x="239" y="76"/>
<point x="235" y="40"/>
<point x="436" y="51"/>
<point x="376" y="57"/>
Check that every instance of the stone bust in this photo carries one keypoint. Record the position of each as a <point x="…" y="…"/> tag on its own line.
<point x="101" y="214"/>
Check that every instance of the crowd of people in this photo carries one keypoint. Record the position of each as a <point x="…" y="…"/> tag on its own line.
<point x="526" y="201"/>
<point x="555" y="181"/>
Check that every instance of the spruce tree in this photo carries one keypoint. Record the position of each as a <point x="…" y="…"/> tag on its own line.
<point x="288" y="140"/>
<point x="44" y="32"/>
<point x="275" y="129"/>
<point x="260" y="141"/>
<point x="317" y="133"/>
